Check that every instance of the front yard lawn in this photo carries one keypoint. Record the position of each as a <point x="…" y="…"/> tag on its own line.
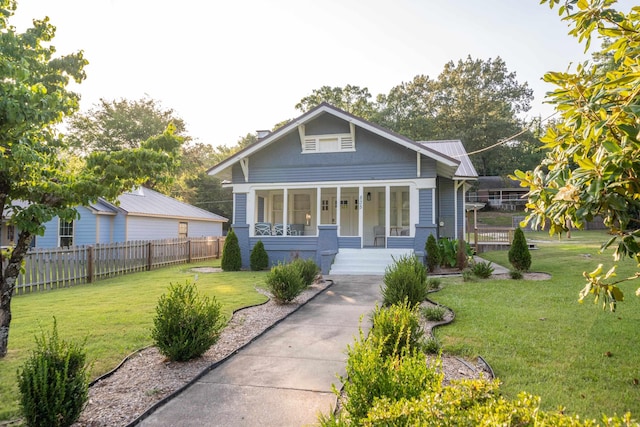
<point x="115" y="315"/>
<point x="539" y="339"/>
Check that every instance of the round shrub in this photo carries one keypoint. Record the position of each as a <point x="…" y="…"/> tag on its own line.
<point x="53" y="382"/>
<point x="308" y="270"/>
<point x="433" y="253"/>
<point x="397" y="327"/>
<point x="405" y="279"/>
<point x="186" y="324"/>
<point x="231" y="256"/>
<point x="519" y="255"/>
<point x="285" y="282"/>
<point x="259" y="259"/>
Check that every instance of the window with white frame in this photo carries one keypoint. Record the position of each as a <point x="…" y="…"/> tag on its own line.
<point x="65" y="233"/>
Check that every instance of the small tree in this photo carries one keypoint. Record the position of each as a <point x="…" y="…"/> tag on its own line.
<point x="433" y="253"/>
<point x="519" y="255"/>
<point x="231" y="257"/>
<point x="259" y="259"/>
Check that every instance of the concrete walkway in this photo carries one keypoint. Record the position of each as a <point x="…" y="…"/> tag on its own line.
<point x="284" y="377"/>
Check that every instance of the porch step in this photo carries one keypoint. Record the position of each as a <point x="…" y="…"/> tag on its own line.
<point x="362" y="262"/>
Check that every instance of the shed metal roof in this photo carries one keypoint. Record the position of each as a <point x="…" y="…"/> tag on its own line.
<point x="455" y="150"/>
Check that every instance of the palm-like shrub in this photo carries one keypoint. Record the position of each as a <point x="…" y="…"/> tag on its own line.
<point x="433" y="253"/>
<point x="405" y="280"/>
<point x="231" y="256"/>
<point x="519" y="255"/>
<point x="186" y="324"/>
<point x="259" y="259"/>
<point x="54" y="382"/>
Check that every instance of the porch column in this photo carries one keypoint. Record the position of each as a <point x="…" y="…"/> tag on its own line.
<point x="361" y="216"/>
<point x="387" y="213"/>
<point x="318" y="208"/>
<point x="285" y="211"/>
<point x="338" y="207"/>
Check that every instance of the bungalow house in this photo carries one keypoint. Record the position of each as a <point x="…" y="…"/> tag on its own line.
<point x="143" y="214"/>
<point x="329" y="182"/>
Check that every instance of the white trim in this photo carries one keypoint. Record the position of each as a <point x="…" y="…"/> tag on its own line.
<point x="422" y="183"/>
<point x="244" y="164"/>
<point x="418" y="165"/>
<point x="361" y="215"/>
<point x="433" y="206"/>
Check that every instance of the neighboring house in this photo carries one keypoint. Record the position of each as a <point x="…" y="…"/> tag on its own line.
<point x="499" y="193"/>
<point x="143" y="214"/>
<point x="329" y="180"/>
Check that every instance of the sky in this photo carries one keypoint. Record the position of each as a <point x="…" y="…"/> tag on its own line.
<point x="229" y="68"/>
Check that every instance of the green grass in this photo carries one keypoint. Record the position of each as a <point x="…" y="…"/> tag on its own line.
<point x="539" y="339"/>
<point x="114" y="315"/>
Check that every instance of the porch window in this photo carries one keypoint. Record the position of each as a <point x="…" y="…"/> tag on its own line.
<point x="65" y="233"/>
<point x="399" y="210"/>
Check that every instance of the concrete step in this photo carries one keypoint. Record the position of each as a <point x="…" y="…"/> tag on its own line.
<point x="365" y="261"/>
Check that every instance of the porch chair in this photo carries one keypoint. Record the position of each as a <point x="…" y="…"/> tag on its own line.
<point x="378" y="233"/>
<point x="279" y="229"/>
<point x="263" y="229"/>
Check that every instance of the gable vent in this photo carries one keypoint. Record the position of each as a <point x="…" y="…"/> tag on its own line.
<point x="346" y="143"/>
<point x="310" y="144"/>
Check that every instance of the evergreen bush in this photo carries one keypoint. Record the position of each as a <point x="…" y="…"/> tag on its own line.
<point x="397" y="327"/>
<point x="405" y="279"/>
<point x="482" y="269"/>
<point x="285" y="282"/>
<point x="308" y="270"/>
<point x="231" y="256"/>
<point x="259" y="259"/>
<point x="434" y="314"/>
<point x="53" y="382"/>
<point x="433" y="253"/>
<point x="186" y="324"/>
<point x="519" y="255"/>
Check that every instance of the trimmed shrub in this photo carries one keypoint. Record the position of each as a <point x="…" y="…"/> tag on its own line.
<point x="53" y="382"/>
<point x="482" y="269"/>
<point x="405" y="280"/>
<point x="259" y="259"/>
<point x="433" y="253"/>
<point x="285" y="282"/>
<point x="397" y="327"/>
<point x="231" y="256"/>
<point x="434" y="314"/>
<point x="515" y="274"/>
<point x="186" y="324"/>
<point x="433" y="283"/>
<point x="307" y="269"/>
<point x="371" y="377"/>
<point x="519" y="255"/>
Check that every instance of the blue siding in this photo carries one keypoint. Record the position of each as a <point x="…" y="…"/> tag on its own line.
<point x="84" y="229"/>
<point x="204" y="228"/>
<point x="240" y="209"/>
<point x="105" y="231"/>
<point x="120" y="228"/>
<point x="282" y="249"/>
<point x="349" y="242"/>
<point x="427" y="167"/>
<point x="426" y="207"/>
<point x="400" y="242"/>
<point x="327" y="123"/>
<point x="50" y="237"/>
<point x="446" y="212"/>
<point x="149" y="228"/>
<point x="375" y="158"/>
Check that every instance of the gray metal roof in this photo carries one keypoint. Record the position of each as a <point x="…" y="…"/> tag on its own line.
<point x="147" y="202"/>
<point x="455" y="150"/>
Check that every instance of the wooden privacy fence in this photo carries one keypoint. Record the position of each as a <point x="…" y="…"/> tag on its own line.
<point x="62" y="267"/>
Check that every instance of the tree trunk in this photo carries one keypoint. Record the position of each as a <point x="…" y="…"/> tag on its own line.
<point x="10" y="270"/>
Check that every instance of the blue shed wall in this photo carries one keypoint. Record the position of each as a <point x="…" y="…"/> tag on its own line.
<point x="50" y="237"/>
<point x="105" y="228"/>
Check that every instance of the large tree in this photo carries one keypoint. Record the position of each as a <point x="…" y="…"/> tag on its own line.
<point x="478" y="102"/>
<point x="119" y="124"/>
<point x="37" y="179"/>
<point x="353" y="99"/>
<point x="592" y="164"/>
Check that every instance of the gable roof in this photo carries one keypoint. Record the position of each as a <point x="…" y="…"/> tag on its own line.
<point x="455" y="150"/>
<point x="447" y="164"/>
<point x="146" y="202"/>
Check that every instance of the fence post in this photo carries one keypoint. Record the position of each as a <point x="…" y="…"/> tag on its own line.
<point x="188" y="251"/>
<point x="475" y="239"/>
<point x="218" y="248"/>
<point x="149" y="255"/>
<point x="90" y="264"/>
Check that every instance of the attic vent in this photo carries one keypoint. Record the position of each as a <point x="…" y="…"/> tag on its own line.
<point x="310" y="145"/>
<point x="346" y="143"/>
